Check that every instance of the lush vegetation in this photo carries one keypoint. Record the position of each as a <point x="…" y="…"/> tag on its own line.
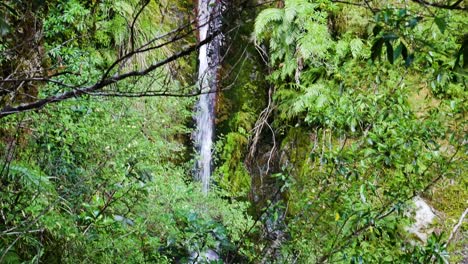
<point x="332" y="117"/>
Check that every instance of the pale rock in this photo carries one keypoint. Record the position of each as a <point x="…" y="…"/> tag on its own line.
<point x="424" y="216"/>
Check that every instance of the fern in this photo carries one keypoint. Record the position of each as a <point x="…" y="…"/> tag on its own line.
<point x="316" y="42"/>
<point x="289" y="14"/>
<point x="356" y="47"/>
<point x="341" y="49"/>
<point x="28" y="177"/>
<point x="299" y="8"/>
<point x="266" y="17"/>
<point x="296" y="33"/>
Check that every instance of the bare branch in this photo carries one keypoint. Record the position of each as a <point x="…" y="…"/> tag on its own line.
<point x="8" y="110"/>
<point x="455" y="228"/>
<point x="454" y="6"/>
<point x="132" y="27"/>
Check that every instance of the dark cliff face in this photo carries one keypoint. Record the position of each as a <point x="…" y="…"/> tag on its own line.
<point x="244" y="109"/>
<point x="249" y="158"/>
<point x="24" y="55"/>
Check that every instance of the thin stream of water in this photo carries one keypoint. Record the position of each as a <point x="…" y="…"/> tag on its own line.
<point x="208" y="21"/>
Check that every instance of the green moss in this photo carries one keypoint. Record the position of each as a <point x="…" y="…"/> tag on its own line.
<point x="239" y="105"/>
<point x="451" y="198"/>
<point x="297" y="144"/>
<point x="232" y="174"/>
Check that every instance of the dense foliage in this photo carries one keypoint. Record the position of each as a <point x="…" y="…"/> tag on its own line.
<point x="103" y="180"/>
<point x="361" y="140"/>
<point x="333" y="117"/>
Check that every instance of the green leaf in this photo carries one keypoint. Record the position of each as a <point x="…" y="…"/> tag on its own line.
<point x="4" y="27"/>
<point x="390" y="36"/>
<point x="441" y="23"/>
<point x="402" y="12"/>
<point x="463" y="51"/>
<point x="409" y="60"/>
<point x="353" y="125"/>
<point x="9" y="8"/>
<point x="362" y="194"/>
<point x="414" y="21"/>
<point x="397" y="51"/>
<point x="404" y="51"/>
<point x="376" y="49"/>
<point x="389" y="51"/>
<point x="376" y="30"/>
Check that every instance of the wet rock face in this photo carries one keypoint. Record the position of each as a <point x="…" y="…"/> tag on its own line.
<point x="424" y="216"/>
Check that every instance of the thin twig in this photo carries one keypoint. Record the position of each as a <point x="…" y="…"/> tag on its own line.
<point x="455" y="228"/>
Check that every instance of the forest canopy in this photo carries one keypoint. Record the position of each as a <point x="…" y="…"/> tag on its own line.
<point x="340" y="131"/>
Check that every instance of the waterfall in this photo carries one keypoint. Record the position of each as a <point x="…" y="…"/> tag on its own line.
<point x="209" y="21"/>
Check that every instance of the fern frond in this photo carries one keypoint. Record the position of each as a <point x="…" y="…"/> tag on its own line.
<point x="290" y="14"/>
<point x="266" y="17"/>
<point x="356" y="47"/>
<point x="28" y="176"/>
<point x="316" y="42"/>
<point x="303" y="7"/>
<point x="341" y="49"/>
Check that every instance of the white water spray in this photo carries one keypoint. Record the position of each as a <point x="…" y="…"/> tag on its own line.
<point x="209" y="21"/>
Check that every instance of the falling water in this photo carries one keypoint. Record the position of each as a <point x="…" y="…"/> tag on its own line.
<point x="209" y="21"/>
